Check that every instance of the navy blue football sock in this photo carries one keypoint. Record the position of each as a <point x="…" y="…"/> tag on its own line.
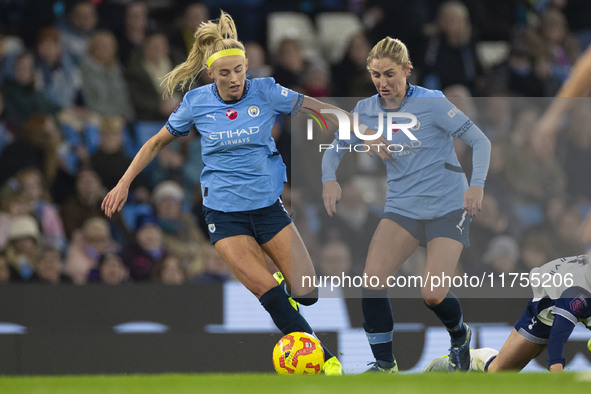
<point x="449" y="311"/>
<point x="284" y="316"/>
<point x="379" y="323"/>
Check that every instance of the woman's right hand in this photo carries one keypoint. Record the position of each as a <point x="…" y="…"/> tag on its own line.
<point x="115" y="199"/>
<point x="331" y="194"/>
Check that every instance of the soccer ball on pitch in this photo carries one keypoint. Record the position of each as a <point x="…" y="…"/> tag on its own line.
<point x="298" y="353"/>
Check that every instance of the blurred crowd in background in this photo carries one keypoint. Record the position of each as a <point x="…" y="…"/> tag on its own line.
<point x="80" y="93"/>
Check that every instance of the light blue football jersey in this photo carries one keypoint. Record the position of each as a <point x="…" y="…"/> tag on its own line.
<point x="243" y="170"/>
<point x="425" y="179"/>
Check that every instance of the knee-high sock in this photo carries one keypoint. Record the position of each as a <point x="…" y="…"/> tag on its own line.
<point x="284" y="316"/>
<point x="379" y="323"/>
<point x="449" y="311"/>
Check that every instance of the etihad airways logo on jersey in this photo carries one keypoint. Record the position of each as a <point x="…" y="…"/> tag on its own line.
<point x="232" y="137"/>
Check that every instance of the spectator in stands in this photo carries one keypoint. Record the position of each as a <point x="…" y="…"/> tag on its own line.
<point x="497" y="116"/>
<point x="316" y="81"/>
<point x="450" y="57"/>
<point x="21" y="98"/>
<point x="12" y="204"/>
<point x="554" y="41"/>
<point x="350" y="77"/>
<point x="55" y="73"/>
<point x="531" y="177"/>
<point x="145" y="72"/>
<point x="49" y="267"/>
<point x="498" y="187"/>
<point x="5" y="135"/>
<point x="80" y="27"/>
<point x="111" y="270"/>
<point x="170" y="271"/>
<point x="88" y="245"/>
<point x="214" y="268"/>
<point x="33" y="186"/>
<point x="536" y="249"/>
<point x="501" y="256"/>
<point x="291" y="64"/>
<point x="401" y="19"/>
<point x="103" y="85"/>
<point x="4" y="269"/>
<point x="23" y="247"/>
<point x="257" y="61"/>
<point x="10" y="46"/>
<point x="491" y="221"/>
<point x="182" y="237"/>
<point x="353" y="224"/>
<point x="566" y="236"/>
<point x="135" y="30"/>
<point x="147" y="251"/>
<point x="521" y="74"/>
<point x="335" y="259"/>
<point x="575" y="155"/>
<point x="85" y="204"/>
<point x="37" y="148"/>
<point x="109" y="160"/>
<point x="182" y="37"/>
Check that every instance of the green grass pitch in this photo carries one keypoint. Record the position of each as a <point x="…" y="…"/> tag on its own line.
<point x="473" y="383"/>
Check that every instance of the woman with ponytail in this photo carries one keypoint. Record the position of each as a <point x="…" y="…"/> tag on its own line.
<point x="243" y="176"/>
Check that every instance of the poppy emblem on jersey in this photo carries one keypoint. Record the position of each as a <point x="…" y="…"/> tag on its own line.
<point x="211" y="228"/>
<point x="578" y="304"/>
<point x="254" y="111"/>
<point x="231" y="114"/>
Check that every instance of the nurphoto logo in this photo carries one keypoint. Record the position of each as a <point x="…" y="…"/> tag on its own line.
<point x="344" y="129"/>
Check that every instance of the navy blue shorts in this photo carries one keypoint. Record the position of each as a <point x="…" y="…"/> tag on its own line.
<point x="454" y="225"/>
<point x="261" y="224"/>
<point x="530" y="327"/>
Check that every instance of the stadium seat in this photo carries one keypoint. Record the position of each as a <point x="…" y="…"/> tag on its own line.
<point x="334" y="31"/>
<point x="292" y="25"/>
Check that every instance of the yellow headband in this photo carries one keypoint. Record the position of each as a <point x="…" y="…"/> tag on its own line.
<point x="223" y="53"/>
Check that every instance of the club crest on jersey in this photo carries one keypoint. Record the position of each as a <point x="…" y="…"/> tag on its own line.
<point x="254" y="111"/>
<point x="211" y="228"/>
<point x="231" y="114"/>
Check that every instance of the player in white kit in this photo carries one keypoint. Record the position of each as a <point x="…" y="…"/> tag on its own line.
<point x="561" y="299"/>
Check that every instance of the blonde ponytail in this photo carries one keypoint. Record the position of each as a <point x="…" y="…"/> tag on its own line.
<point x="210" y="37"/>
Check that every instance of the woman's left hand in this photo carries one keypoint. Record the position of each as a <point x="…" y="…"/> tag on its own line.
<point x="473" y="200"/>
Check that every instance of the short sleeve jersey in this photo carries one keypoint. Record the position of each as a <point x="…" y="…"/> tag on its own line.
<point x="242" y="168"/>
<point x="425" y="179"/>
<point x="555" y="278"/>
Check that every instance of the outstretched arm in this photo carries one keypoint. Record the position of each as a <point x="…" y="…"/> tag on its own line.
<point x="574" y="304"/>
<point x="117" y="197"/>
